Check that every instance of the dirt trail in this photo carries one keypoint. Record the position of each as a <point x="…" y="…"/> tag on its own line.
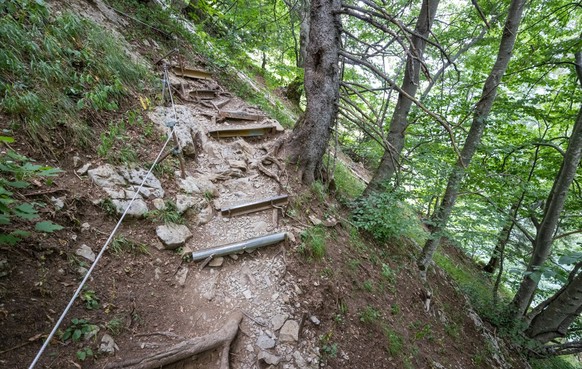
<point x="234" y="171"/>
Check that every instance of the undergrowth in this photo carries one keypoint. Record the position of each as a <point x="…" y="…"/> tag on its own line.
<point x="57" y="71"/>
<point x="387" y="216"/>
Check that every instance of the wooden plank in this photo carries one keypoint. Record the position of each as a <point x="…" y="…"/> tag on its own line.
<point x="191" y="73"/>
<point x="242" y="131"/>
<point x="238" y="115"/>
<point x="255" y="206"/>
<point x="203" y="94"/>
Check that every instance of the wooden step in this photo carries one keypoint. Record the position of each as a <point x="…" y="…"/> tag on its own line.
<point x="259" y="205"/>
<point x="191" y="73"/>
<point x="243" y="131"/>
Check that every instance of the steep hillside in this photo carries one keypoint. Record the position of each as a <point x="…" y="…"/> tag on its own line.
<point x="322" y="295"/>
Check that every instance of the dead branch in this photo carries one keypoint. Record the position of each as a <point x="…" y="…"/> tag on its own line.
<point x="223" y="337"/>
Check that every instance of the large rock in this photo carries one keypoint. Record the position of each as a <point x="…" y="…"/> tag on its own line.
<point x="173" y="235"/>
<point x="137" y="209"/>
<point x="120" y="184"/>
<point x="108" y="345"/>
<point x="268" y="358"/>
<point x="186" y="202"/>
<point x="199" y="185"/>
<point x="289" y="332"/>
<point x="86" y="252"/>
<point x="185" y="126"/>
<point x="135" y="176"/>
<point x="106" y="176"/>
<point x="265" y="342"/>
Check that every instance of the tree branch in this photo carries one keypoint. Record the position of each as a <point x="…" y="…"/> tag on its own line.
<point x="381" y="74"/>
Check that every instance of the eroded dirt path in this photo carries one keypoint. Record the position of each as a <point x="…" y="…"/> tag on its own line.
<point x="230" y="172"/>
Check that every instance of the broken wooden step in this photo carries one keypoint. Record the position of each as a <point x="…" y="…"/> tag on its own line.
<point x="251" y="207"/>
<point x="191" y="73"/>
<point x="247" y="245"/>
<point x="243" y="131"/>
<point x="203" y="94"/>
<point x="238" y="115"/>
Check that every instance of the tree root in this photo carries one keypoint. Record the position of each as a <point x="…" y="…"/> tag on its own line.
<point x="223" y="337"/>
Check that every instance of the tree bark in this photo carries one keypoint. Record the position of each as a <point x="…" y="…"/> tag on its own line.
<point x="441" y="215"/>
<point x="312" y="132"/>
<point x="554" y="206"/>
<point x="391" y="158"/>
<point x="502" y="240"/>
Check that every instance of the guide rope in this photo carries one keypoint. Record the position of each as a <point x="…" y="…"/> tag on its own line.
<point x="166" y="83"/>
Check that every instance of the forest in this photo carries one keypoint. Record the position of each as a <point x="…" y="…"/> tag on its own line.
<point x="467" y="114"/>
<point x="471" y="113"/>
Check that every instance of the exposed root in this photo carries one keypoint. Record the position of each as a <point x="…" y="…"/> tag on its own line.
<point x="223" y="337"/>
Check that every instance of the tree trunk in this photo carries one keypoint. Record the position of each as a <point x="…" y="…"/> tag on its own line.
<point x="303" y="33"/>
<point x="564" y="307"/>
<point x="299" y="12"/>
<point x="502" y="239"/>
<point x="312" y="132"/>
<point x="391" y="158"/>
<point x="554" y="206"/>
<point x="441" y="215"/>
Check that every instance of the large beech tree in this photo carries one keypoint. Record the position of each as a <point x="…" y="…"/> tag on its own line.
<point x="322" y="78"/>
<point x="543" y="245"/>
<point x="441" y="216"/>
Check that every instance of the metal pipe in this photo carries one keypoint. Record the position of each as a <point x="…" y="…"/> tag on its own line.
<point x="231" y="248"/>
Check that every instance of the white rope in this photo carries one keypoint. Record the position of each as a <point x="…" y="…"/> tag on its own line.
<point x="98" y="257"/>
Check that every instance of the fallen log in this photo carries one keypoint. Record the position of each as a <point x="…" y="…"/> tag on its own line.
<point x="223" y="337"/>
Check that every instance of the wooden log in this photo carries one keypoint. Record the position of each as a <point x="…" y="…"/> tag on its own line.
<point x="183" y="350"/>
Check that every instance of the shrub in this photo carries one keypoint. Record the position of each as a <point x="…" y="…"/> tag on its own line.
<point x="386" y="216"/>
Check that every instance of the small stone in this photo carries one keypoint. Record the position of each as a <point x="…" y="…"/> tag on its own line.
<point x="268" y="358"/>
<point x="314" y="220"/>
<point x="173" y="235"/>
<point x="291" y="237"/>
<point x="314" y="320"/>
<point x="247" y="294"/>
<point x="76" y="161"/>
<point x="82" y="271"/>
<point x="58" y="202"/>
<point x="108" y="345"/>
<point x="299" y="360"/>
<point x="278" y="320"/>
<point x="250" y="348"/>
<point x="85" y="226"/>
<point x="265" y="342"/>
<point x="61" y="271"/>
<point x="185" y="202"/>
<point x="181" y="276"/>
<point x="157" y="273"/>
<point x="275" y="296"/>
<point x="261" y="227"/>
<point x="159" y="204"/>
<point x="216" y="262"/>
<point x="86" y="252"/>
<point x="205" y="215"/>
<point x="289" y="332"/>
<point x="84" y="169"/>
<point x="233" y="256"/>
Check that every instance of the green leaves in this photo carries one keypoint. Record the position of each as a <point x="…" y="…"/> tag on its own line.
<point x="47" y="226"/>
<point x="16" y="170"/>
